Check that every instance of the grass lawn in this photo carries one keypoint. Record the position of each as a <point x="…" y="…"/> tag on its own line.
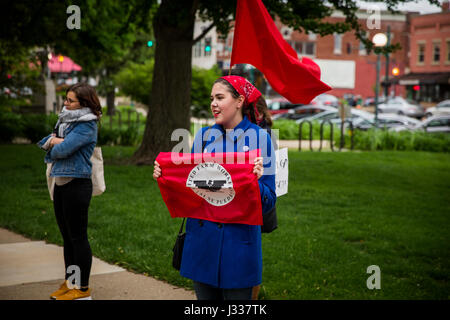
<point x="344" y="212"/>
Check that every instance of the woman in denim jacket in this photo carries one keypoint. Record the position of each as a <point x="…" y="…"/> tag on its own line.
<point x="69" y="149"/>
<point x="225" y="259"/>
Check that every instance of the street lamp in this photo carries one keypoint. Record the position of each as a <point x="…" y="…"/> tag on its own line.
<point x="395" y="73"/>
<point x="379" y="40"/>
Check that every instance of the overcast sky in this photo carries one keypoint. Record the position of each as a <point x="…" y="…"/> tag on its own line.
<point x="422" y="6"/>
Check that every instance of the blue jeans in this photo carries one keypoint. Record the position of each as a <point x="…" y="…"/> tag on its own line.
<point x="207" y="292"/>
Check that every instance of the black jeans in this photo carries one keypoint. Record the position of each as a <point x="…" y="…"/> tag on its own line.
<point x="206" y="292"/>
<point x="71" y="204"/>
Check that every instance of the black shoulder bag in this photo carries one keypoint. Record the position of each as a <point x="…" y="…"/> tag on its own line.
<point x="270" y="221"/>
<point x="179" y="243"/>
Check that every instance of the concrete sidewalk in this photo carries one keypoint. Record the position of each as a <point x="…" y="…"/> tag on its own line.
<point x="31" y="270"/>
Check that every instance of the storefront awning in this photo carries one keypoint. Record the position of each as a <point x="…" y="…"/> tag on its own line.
<point x="412" y="79"/>
<point x="62" y="64"/>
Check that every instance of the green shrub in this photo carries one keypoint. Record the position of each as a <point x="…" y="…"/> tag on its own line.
<point x="36" y="126"/>
<point x="289" y="130"/>
<point x="108" y="136"/>
<point x="10" y="126"/>
<point x="129" y="137"/>
<point x="378" y="139"/>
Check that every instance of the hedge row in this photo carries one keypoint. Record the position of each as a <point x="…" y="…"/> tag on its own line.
<point x="36" y="126"/>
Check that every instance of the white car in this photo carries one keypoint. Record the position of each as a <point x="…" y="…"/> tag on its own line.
<point x="326" y="99"/>
<point x="401" y="106"/>
<point x="442" y="108"/>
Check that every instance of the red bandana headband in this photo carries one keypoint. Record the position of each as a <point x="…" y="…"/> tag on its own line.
<point x="246" y="89"/>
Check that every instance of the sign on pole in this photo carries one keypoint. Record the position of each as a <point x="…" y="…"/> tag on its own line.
<point x="282" y="172"/>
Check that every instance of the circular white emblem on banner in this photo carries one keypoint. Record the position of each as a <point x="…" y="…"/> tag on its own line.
<point x="211" y="182"/>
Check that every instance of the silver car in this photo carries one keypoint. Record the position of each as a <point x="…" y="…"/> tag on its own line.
<point x="401" y="106"/>
<point x="442" y="108"/>
<point x="432" y="124"/>
<point x="436" y="124"/>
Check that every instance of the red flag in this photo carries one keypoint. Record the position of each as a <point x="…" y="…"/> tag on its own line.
<point x="218" y="187"/>
<point x="258" y="42"/>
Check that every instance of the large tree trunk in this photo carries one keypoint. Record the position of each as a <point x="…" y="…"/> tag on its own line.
<point x="110" y="104"/>
<point x="169" y="106"/>
<point x="110" y="93"/>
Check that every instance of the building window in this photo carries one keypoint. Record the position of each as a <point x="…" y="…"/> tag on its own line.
<point x="362" y="49"/>
<point x="448" y="52"/>
<point x="198" y="49"/>
<point x="337" y="44"/>
<point x="421" y="53"/>
<point x="298" y="46"/>
<point x="349" y="48"/>
<point x="303" y="48"/>
<point x="436" y="52"/>
<point x="310" y="48"/>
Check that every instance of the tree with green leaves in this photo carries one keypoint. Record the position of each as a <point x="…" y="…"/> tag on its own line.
<point x="112" y="32"/>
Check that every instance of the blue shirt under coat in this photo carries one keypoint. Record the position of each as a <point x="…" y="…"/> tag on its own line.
<point x="227" y="255"/>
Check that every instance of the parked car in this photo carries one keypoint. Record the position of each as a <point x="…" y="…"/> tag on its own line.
<point x="364" y="120"/>
<point x="303" y="112"/>
<point x="370" y="101"/>
<point x="394" y="120"/>
<point x="442" y="108"/>
<point x="280" y="105"/>
<point x="401" y="106"/>
<point x="325" y="99"/>
<point x="360" y="119"/>
<point x="433" y="124"/>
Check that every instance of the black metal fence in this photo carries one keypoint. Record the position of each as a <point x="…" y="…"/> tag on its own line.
<point x="342" y="137"/>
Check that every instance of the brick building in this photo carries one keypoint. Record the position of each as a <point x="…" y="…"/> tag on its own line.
<point x="429" y="58"/>
<point x="344" y="62"/>
<point x="346" y="66"/>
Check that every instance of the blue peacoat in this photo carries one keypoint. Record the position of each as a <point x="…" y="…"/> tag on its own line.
<point x="227" y="255"/>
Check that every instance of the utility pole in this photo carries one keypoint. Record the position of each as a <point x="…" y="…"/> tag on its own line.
<point x="386" y="80"/>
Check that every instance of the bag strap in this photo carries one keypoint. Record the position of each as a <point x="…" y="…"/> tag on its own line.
<point x="203" y="148"/>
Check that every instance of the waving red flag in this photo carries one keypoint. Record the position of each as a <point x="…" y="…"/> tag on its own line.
<point x="258" y="42"/>
<point x="218" y="187"/>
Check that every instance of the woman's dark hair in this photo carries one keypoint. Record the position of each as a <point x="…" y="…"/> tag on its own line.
<point x="261" y="105"/>
<point x="87" y="97"/>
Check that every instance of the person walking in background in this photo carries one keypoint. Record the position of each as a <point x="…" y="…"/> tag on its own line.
<point x="69" y="149"/>
<point x="225" y="259"/>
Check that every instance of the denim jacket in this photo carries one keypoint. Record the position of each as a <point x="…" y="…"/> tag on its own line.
<point x="71" y="158"/>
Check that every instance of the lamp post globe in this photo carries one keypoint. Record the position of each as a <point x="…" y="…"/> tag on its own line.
<point x="378" y="40"/>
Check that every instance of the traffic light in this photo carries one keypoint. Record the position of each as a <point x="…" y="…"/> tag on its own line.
<point x="208" y="45"/>
<point x="416" y="88"/>
<point x="150" y="44"/>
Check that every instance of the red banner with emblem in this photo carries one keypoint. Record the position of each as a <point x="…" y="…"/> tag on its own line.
<point x="219" y="187"/>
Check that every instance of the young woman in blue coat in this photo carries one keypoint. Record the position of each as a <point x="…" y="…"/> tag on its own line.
<point x="69" y="149"/>
<point x="223" y="259"/>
